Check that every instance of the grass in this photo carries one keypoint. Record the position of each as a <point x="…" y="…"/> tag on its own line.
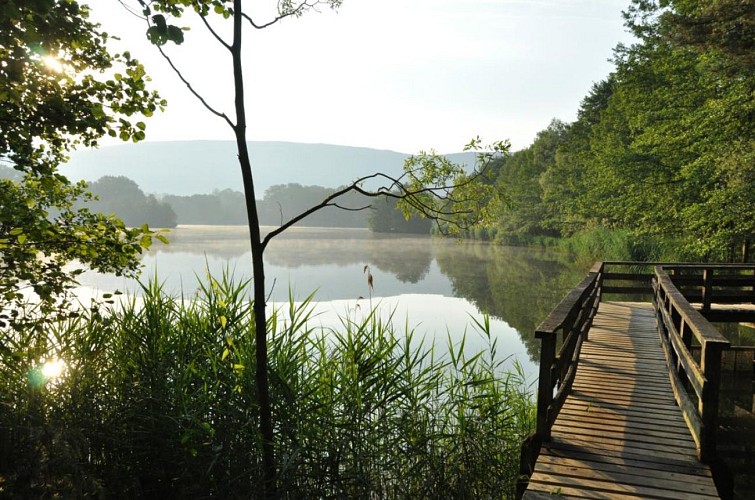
<point x="158" y="400"/>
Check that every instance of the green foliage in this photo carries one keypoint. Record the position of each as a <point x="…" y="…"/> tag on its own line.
<point x="599" y="243"/>
<point x="158" y="400"/>
<point x="122" y="196"/>
<point x="59" y="88"/>
<point x="455" y="197"/>
<point x="41" y="231"/>
<point x="662" y="148"/>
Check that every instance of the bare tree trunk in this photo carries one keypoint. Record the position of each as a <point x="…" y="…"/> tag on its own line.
<point x="260" y="320"/>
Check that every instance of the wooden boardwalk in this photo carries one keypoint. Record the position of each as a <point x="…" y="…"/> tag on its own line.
<point x="620" y="433"/>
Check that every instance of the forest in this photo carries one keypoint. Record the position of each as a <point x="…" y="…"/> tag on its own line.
<point x="661" y="158"/>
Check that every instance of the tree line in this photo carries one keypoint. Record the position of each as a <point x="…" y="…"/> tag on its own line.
<point x="123" y="197"/>
<point x="662" y="150"/>
<point x="226" y="207"/>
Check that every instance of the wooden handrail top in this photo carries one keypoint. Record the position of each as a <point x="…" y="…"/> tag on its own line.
<point x="565" y="308"/>
<point x="707" y="266"/>
<point x="702" y="329"/>
<point x="692" y="265"/>
<point x="649" y="264"/>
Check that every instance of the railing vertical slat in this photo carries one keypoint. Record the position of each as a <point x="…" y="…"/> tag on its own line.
<point x="707" y="290"/>
<point x="545" y="385"/>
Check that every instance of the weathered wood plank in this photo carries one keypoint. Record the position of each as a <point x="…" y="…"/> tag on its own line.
<point x="628" y="468"/>
<point x="683" y="483"/>
<point x="565" y="451"/>
<point x="547" y="482"/>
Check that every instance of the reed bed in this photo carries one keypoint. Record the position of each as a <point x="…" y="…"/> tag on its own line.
<point x="157" y="399"/>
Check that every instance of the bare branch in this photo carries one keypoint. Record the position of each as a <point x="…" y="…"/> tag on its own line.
<point x="436" y="202"/>
<point x="214" y="33"/>
<point x="299" y="10"/>
<point x="193" y="91"/>
<point x="350" y="209"/>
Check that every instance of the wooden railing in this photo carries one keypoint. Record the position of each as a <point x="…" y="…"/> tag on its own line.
<point x="572" y="318"/>
<point x="708" y="284"/>
<point x="680" y="326"/>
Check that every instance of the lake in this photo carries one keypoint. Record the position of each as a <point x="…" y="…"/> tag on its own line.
<point x="433" y="285"/>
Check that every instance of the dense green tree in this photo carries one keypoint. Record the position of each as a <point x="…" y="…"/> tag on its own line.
<point x="218" y="207"/>
<point x="54" y="88"/>
<point x="122" y="197"/>
<point x="519" y="178"/>
<point x="59" y="88"/>
<point x="386" y="217"/>
<point x="661" y="149"/>
<point x="687" y="94"/>
<point x="563" y="183"/>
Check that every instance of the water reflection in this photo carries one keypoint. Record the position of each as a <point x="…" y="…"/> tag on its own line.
<point x="517" y="286"/>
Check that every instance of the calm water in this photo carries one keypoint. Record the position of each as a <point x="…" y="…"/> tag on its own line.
<point x="436" y="286"/>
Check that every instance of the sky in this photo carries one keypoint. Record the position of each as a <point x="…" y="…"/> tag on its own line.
<point x="403" y="75"/>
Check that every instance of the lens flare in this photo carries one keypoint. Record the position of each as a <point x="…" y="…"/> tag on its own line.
<point x="53" y="369"/>
<point x="53" y="64"/>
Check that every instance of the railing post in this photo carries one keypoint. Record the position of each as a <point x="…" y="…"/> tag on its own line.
<point x="707" y="290"/>
<point x="710" y="364"/>
<point x="545" y="385"/>
<point x="685" y="332"/>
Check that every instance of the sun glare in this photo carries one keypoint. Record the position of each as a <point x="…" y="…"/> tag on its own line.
<point x="53" y="63"/>
<point x="53" y="369"/>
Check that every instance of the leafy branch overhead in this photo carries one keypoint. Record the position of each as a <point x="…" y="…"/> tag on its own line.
<point x="453" y="195"/>
<point x="60" y="88"/>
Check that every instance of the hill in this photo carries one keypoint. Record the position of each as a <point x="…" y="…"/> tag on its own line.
<point x="197" y="167"/>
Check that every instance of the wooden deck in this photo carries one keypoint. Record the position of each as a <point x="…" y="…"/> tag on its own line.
<point x="620" y="433"/>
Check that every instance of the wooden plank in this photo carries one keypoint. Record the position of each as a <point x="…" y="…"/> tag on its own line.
<point x="626" y="467"/>
<point x="622" y="383"/>
<point x="649" y="431"/>
<point x="644" y="440"/>
<point x="609" y="402"/>
<point x="668" y="481"/>
<point x="676" y="426"/>
<point x="596" y="446"/>
<point x="611" y="487"/>
<point x="564" y="452"/>
<point x="625" y="446"/>
<point x="608" y="393"/>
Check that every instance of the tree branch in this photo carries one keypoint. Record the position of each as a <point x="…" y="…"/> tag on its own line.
<point x="299" y="10"/>
<point x="214" y="33"/>
<point x="396" y="189"/>
<point x="193" y="91"/>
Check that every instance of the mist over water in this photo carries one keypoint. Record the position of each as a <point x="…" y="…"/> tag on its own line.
<point x="435" y="286"/>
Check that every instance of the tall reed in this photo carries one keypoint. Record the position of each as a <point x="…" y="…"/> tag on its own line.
<point x="158" y="400"/>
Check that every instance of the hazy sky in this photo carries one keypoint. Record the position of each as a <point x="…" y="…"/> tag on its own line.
<point x="403" y="75"/>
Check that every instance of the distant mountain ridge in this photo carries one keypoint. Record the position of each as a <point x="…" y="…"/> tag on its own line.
<point x="199" y="167"/>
